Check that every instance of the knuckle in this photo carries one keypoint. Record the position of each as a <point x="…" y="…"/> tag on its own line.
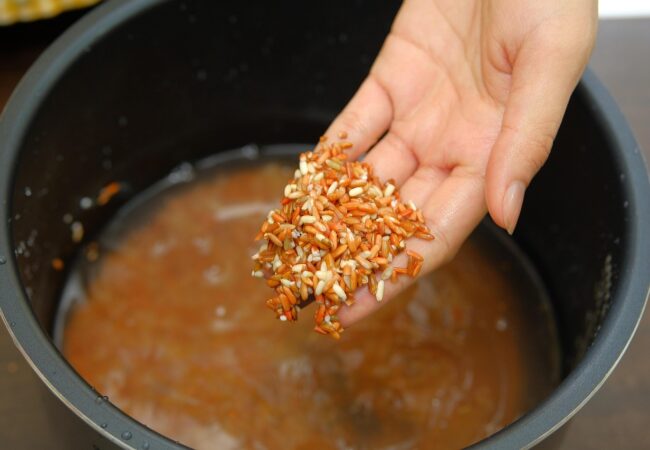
<point x="446" y="251"/>
<point x="539" y="147"/>
<point x="533" y="146"/>
<point x="351" y="122"/>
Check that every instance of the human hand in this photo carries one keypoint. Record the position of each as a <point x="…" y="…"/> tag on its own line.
<point x="461" y="108"/>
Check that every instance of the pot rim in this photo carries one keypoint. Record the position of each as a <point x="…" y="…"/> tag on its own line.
<point x="66" y="384"/>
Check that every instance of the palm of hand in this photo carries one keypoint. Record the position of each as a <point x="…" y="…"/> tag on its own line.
<point x="445" y="114"/>
<point x="457" y="90"/>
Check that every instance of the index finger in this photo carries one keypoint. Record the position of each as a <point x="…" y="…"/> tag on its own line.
<point x="365" y="118"/>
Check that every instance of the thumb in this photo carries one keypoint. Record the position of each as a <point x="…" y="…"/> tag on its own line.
<point x="543" y="78"/>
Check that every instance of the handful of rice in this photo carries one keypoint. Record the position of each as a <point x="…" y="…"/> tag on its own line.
<point x="338" y="228"/>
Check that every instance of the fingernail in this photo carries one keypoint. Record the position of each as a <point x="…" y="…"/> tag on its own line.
<point x="512" y="201"/>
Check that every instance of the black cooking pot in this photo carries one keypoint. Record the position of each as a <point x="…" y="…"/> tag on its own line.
<point x="138" y="86"/>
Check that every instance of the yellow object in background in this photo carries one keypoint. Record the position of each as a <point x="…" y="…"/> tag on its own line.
<point x="12" y="11"/>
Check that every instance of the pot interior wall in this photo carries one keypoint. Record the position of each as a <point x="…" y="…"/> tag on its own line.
<point x="190" y="79"/>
